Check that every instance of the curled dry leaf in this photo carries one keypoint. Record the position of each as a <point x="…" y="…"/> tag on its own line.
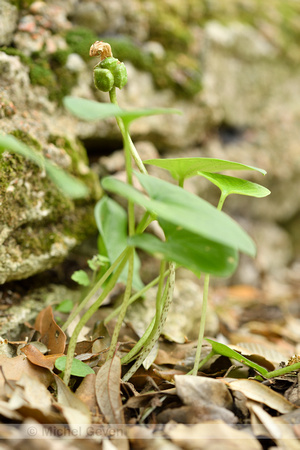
<point x="108" y="391"/>
<point x="276" y="428"/>
<point x="256" y="391"/>
<point x="13" y="368"/>
<point x="51" y="334"/>
<point x="37" y="358"/>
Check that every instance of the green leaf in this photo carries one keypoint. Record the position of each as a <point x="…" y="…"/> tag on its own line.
<point x="181" y="168"/>
<point x="68" y="184"/>
<point x="78" y="369"/>
<point x="81" y="277"/>
<point x="191" y="251"/>
<point x="111" y="221"/>
<point x="184" y="209"/>
<point x="65" y="306"/>
<point x="97" y="261"/>
<point x="233" y="185"/>
<point x="91" y="110"/>
<point x="222" y="349"/>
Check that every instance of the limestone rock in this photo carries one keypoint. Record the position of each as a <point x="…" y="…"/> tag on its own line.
<point x="38" y="225"/>
<point x="8" y="22"/>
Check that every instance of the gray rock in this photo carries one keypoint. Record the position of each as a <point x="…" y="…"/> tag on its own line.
<point x="8" y="22"/>
<point x="38" y="225"/>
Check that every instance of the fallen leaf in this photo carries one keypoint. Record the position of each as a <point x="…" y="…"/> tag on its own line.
<point x="202" y="390"/>
<point x="75" y="411"/>
<point x="142" y="400"/>
<point x="13" y="368"/>
<point x="213" y="435"/>
<point x="256" y="391"/>
<point x="86" y="392"/>
<point x="277" y="430"/>
<point x="108" y="391"/>
<point x="37" y="358"/>
<point x="51" y="334"/>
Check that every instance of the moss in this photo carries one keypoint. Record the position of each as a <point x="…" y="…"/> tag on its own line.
<point x="78" y="155"/>
<point x="34" y="236"/>
<point x="15" y="52"/>
<point x="22" y="4"/>
<point x="27" y="139"/>
<point x="79" y="40"/>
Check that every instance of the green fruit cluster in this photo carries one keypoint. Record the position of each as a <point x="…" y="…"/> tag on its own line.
<point x="110" y="73"/>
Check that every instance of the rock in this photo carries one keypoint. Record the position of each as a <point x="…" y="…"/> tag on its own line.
<point x="38" y="224"/>
<point x="8" y="22"/>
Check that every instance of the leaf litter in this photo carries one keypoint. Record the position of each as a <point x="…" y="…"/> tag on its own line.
<point x="222" y="407"/>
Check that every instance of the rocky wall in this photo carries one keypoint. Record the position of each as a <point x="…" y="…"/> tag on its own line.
<point x="231" y="67"/>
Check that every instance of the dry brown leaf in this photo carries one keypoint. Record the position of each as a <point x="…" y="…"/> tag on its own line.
<point x="213" y="435"/>
<point x="37" y="358"/>
<point x="202" y="390"/>
<point x="13" y="368"/>
<point x="256" y="391"/>
<point x="142" y="400"/>
<point x="75" y="411"/>
<point x="6" y="411"/>
<point x="108" y="391"/>
<point x="276" y="428"/>
<point x="51" y="334"/>
<point x="87" y="393"/>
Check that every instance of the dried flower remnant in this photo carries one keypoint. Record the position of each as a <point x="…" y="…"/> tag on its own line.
<point x="293" y="360"/>
<point x="102" y="49"/>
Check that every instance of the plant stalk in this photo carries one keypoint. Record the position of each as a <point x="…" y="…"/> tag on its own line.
<point x="202" y="325"/>
<point x="197" y="363"/>
<point x="124" y="307"/>
<point x="87" y="315"/>
<point x="134" y="297"/>
<point x="93" y="291"/>
<point x="160" y="320"/>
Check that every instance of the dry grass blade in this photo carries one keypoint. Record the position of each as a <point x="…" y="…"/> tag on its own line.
<point x="108" y="391"/>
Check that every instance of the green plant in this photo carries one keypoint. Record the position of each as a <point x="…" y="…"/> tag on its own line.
<point x="197" y="235"/>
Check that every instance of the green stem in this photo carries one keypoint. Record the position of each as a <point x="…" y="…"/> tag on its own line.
<point x="126" y="135"/>
<point x="94" y="289"/>
<point x="221" y="201"/>
<point x="87" y="315"/>
<point x="197" y="363"/>
<point x="135" y="297"/>
<point x="159" y="323"/>
<point x="282" y="371"/>
<point x="202" y="325"/>
<point x="125" y="303"/>
<point x="146" y="220"/>
<point x="204" y="361"/>
<point x="159" y="305"/>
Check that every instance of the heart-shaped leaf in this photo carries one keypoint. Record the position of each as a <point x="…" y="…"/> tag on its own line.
<point x="111" y="221"/>
<point x="232" y="185"/>
<point x="191" y="251"/>
<point x="90" y="110"/>
<point x="181" y="168"/>
<point x="79" y="368"/>
<point x="184" y="209"/>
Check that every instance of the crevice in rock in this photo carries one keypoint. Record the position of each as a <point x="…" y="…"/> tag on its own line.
<point x="229" y="134"/>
